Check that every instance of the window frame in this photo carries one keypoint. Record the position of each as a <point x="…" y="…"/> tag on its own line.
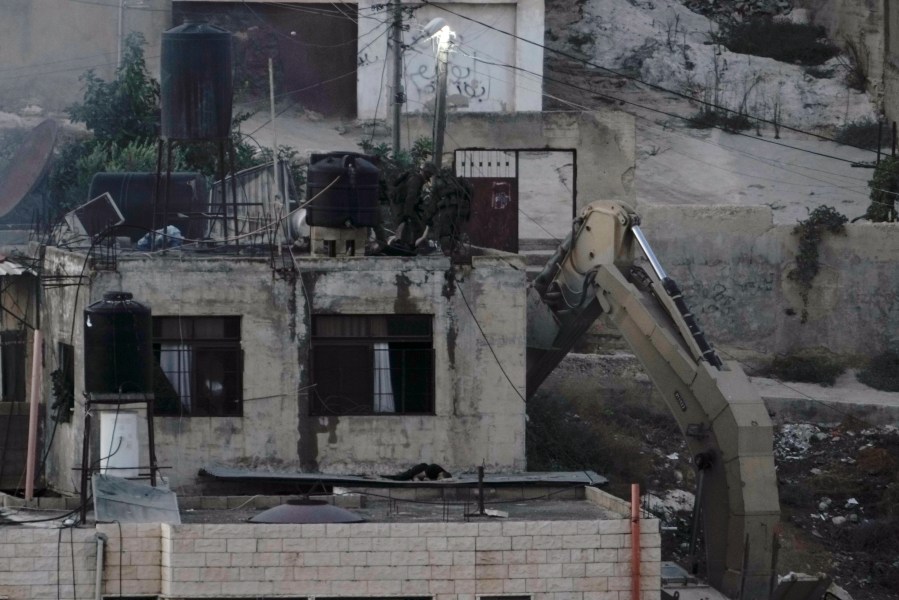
<point x="195" y="346"/>
<point x="368" y="340"/>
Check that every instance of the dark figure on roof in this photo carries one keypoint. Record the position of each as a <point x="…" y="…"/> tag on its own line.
<point x="409" y="204"/>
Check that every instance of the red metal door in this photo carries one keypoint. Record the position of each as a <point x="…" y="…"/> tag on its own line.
<point x="494" y="207"/>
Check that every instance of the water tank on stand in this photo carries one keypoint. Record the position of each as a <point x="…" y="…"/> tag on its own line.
<point x="346" y="184"/>
<point x="196" y="82"/>
<point x="118" y="346"/>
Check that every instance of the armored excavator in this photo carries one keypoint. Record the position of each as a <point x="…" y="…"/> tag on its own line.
<point x="606" y="269"/>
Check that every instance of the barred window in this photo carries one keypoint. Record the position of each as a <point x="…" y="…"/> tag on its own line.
<point x="199" y="366"/>
<point x="372" y="364"/>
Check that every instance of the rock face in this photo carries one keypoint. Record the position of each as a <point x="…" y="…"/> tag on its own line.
<point x="739" y="9"/>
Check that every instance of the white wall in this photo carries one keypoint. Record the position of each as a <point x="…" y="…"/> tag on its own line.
<point x="488" y="88"/>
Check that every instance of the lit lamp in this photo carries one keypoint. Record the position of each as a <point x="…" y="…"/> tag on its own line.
<point x="444" y="37"/>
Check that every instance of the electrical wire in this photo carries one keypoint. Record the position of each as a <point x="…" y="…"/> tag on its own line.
<point x="636" y="79"/>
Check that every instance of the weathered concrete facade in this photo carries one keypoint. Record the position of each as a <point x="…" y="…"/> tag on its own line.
<point x="544" y="559"/>
<point x="478" y="415"/>
<point x="733" y="265"/>
<point x="604" y="141"/>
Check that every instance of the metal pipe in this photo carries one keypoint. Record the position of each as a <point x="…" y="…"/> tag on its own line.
<point x="635" y="541"/>
<point x="35" y="403"/>
<point x="98" y="580"/>
<point x="398" y="92"/>
<point x="440" y="100"/>
<point x="481" y="510"/>
<point x="650" y="255"/>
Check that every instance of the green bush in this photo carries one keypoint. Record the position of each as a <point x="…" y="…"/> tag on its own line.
<point x="708" y="118"/>
<point x="882" y="373"/>
<point x="805" y="369"/>
<point x="861" y="134"/>
<point x="884" y="189"/>
<point x="787" y="42"/>
<point x="824" y="219"/>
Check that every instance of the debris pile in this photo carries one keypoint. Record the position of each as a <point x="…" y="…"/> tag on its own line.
<point x="839" y="489"/>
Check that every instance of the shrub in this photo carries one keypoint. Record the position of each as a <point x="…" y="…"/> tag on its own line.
<point x="783" y="41"/>
<point x="822" y="220"/>
<point x="884" y="188"/>
<point x="882" y="373"/>
<point x="861" y="134"/>
<point x="806" y="369"/>
<point x="708" y="118"/>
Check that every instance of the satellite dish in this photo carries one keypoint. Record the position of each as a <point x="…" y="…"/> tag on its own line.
<point x="28" y="165"/>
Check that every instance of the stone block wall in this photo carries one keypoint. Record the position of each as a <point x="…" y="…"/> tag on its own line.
<point x="547" y="560"/>
<point x="47" y="563"/>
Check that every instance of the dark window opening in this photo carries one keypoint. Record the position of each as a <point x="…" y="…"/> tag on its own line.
<point x="198" y="366"/>
<point x="12" y="365"/>
<point x="63" y="382"/>
<point x="372" y="364"/>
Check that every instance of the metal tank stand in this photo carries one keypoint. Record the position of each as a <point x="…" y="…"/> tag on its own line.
<point x="87" y="465"/>
<point x="165" y="147"/>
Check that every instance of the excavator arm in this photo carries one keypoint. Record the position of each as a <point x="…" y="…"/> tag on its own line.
<point x="728" y="431"/>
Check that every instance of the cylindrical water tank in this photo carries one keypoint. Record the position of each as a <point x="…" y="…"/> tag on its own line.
<point x="118" y="346"/>
<point x="119" y="446"/>
<point x="196" y="82"/>
<point x="134" y="193"/>
<point x="346" y="186"/>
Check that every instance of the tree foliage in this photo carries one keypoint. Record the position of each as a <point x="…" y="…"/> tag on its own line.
<point x="884" y="189"/>
<point x="125" y="109"/>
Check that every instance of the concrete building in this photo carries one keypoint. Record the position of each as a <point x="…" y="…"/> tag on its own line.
<point x="286" y="361"/>
<point x="329" y="58"/>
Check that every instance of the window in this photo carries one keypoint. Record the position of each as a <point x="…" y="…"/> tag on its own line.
<point x="372" y="364"/>
<point x="199" y="366"/>
<point x="12" y="365"/>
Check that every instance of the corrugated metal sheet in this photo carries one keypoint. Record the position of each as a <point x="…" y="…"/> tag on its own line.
<point x="9" y="267"/>
<point x="258" y="203"/>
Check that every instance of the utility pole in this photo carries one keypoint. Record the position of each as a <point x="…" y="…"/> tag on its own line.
<point x="443" y="44"/>
<point x="399" y="95"/>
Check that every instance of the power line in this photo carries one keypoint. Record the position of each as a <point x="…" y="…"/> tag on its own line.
<point x="638" y="80"/>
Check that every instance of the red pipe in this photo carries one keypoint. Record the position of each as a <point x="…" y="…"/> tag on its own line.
<point x="31" y="457"/>
<point x="635" y="541"/>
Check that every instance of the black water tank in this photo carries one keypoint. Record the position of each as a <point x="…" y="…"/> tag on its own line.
<point x="196" y="82"/>
<point x="352" y="201"/>
<point x="133" y="194"/>
<point x="118" y="346"/>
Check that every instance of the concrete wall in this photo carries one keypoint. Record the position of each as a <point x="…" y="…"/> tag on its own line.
<point x="479" y="417"/>
<point x="604" y="140"/>
<point x="29" y="569"/>
<point x="48" y="45"/>
<point x="732" y="264"/>
<point x="549" y="560"/>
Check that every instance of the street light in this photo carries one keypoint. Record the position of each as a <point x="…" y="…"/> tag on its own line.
<point x="444" y="36"/>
